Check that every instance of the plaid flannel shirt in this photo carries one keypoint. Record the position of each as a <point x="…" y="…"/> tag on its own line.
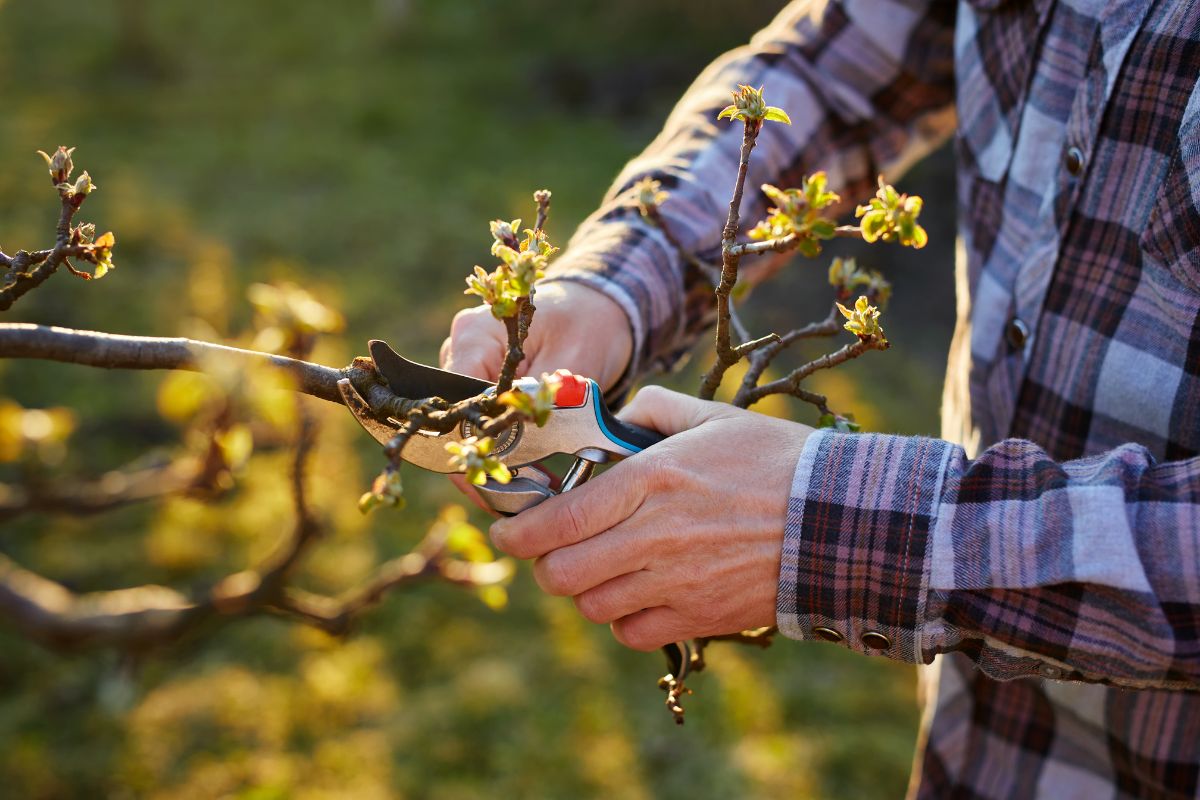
<point x="1044" y="555"/>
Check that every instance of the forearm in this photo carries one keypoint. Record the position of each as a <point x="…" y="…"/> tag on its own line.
<point x="869" y="90"/>
<point x="1083" y="570"/>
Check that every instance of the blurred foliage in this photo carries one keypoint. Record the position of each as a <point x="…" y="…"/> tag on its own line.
<point x="271" y="141"/>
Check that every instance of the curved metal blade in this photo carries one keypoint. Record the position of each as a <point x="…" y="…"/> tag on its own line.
<point x="380" y="431"/>
<point x="416" y="381"/>
<point x="426" y="451"/>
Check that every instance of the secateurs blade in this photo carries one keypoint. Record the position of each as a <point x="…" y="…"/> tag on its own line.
<point x="581" y="425"/>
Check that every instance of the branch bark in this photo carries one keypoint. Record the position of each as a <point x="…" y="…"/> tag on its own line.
<point x="111" y="490"/>
<point x="113" y="351"/>
<point x="26" y="273"/>
<point x="727" y="356"/>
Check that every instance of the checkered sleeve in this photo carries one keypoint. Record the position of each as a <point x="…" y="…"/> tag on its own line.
<point x="869" y="87"/>
<point x="1082" y="570"/>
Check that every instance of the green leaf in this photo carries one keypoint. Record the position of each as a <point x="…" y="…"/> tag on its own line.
<point x="468" y="542"/>
<point x="777" y="195"/>
<point x="809" y="247"/>
<point x="777" y="115"/>
<point x="822" y="229"/>
<point x="874" y="224"/>
<point x="728" y="111"/>
<point x="497" y="470"/>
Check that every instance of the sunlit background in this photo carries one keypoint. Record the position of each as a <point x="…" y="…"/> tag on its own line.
<point x="359" y="148"/>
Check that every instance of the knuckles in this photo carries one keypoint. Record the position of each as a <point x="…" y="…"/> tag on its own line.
<point x="556" y="575"/>
<point x="633" y="633"/>
<point x="569" y="522"/>
<point x="659" y="472"/>
<point x="466" y="319"/>
<point x="593" y="607"/>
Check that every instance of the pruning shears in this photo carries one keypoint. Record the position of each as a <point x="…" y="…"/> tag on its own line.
<point x="581" y="426"/>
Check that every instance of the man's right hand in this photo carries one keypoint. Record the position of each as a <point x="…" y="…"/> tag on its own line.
<point x="575" y="327"/>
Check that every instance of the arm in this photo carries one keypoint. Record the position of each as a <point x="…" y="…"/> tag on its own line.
<point x="1085" y="570"/>
<point x="869" y="87"/>
<point x="1081" y="570"/>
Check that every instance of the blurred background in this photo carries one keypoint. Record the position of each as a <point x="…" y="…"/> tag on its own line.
<point x="359" y="149"/>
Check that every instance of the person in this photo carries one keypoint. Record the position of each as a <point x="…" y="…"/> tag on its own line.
<point x="1044" y="555"/>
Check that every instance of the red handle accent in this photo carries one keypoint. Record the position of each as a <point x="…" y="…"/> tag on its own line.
<point x="572" y="393"/>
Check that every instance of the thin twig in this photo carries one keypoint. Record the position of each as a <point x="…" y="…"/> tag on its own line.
<point x="542" y="198"/>
<point x="710" y="271"/>
<point x="760" y="361"/>
<point x="790" y="384"/>
<point x="23" y="276"/>
<point x="514" y="353"/>
<point x="789" y="242"/>
<point x="727" y="356"/>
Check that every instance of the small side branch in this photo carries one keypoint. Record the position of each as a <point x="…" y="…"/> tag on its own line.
<point x="727" y="356"/>
<point x="790" y="384"/>
<point x="761" y="360"/>
<point x="27" y="272"/>
<point x="785" y="243"/>
<point x="517" y="328"/>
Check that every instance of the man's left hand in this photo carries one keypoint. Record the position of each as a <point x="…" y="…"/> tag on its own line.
<point x="680" y="541"/>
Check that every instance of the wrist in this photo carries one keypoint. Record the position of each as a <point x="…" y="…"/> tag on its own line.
<point x="608" y="325"/>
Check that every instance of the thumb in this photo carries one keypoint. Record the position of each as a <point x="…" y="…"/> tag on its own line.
<point x="670" y="412"/>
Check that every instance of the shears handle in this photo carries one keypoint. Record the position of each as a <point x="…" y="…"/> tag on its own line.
<point x="679" y="654"/>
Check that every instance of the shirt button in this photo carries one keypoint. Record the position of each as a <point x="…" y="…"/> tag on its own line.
<point x="828" y="634"/>
<point x="1074" y="160"/>
<point x="1016" y="333"/>
<point x="874" y="640"/>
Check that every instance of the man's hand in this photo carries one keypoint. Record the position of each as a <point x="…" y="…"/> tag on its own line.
<point x="682" y="540"/>
<point x="575" y="328"/>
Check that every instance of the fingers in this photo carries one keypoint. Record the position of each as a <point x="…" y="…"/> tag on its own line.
<point x="623" y="595"/>
<point x="476" y="344"/>
<point x="471" y="493"/>
<point x="650" y="628"/>
<point x="567" y="519"/>
<point x="575" y="569"/>
<point x="670" y="412"/>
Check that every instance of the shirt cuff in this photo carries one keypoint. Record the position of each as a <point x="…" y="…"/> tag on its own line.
<point x="634" y="265"/>
<point x="857" y="542"/>
<point x="619" y="390"/>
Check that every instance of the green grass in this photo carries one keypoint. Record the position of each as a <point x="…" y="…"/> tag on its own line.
<point x="361" y="151"/>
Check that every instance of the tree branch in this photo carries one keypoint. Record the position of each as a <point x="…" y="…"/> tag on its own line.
<point x="726" y="355"/>
<point x="760" y="361"/>
<point x="20" y="278"/>
<point x="790" y="384"/>
<point x="111" y="490"/>
<point x="789" y="242"/>
<point x="112" y="351"/>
